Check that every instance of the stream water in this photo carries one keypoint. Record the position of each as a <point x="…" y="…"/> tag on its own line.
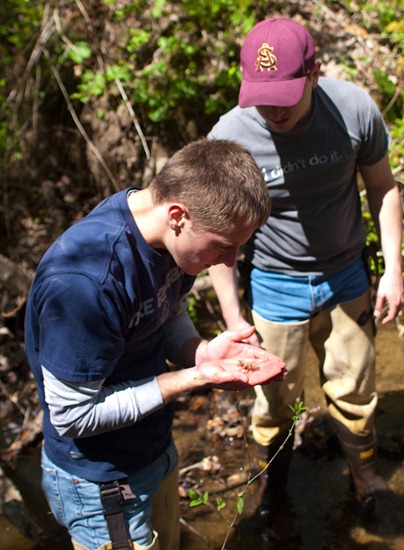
<point x="322" y="513"/>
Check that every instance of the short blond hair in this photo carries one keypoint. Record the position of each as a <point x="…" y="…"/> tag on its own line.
<point x="219" y="183"/>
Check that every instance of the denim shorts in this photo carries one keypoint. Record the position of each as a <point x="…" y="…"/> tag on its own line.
<point x="76" y="502"/>
<point x="291" y="299"/>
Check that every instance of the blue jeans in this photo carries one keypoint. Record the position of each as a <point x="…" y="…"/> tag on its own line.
<point x="291" y="299"/>
<point x="76" y="502"/>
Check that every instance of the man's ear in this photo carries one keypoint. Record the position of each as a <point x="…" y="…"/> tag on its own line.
<point x="177" y="214"/>
<point x="315" y="74"/>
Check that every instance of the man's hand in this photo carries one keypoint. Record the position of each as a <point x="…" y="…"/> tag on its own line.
<point x="226" y="363"/>
<point x="255" y="366"/>
<point x="230" y="343"/>
<point x="390" y="291"/>
<point x="243" y="325"/>
<point x="229" y="362"/>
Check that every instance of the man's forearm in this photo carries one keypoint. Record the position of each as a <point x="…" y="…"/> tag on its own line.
<point x="384" y="202"/>
<point x="175" y="383"/>
<point x="86" y="409"/>
<point x="391" y="228"/>
<point x="225" y="284"/>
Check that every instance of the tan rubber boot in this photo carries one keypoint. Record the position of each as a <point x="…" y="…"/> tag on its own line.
<point x="361" y="455"/>
<point x="108" y="545"/>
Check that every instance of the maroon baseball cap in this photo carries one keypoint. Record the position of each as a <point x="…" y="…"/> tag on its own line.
<point x="276" y="57"/>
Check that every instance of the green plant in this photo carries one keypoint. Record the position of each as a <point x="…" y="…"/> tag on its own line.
<point x="20" y="22"/>
<point x="176" y="58"/>
<point x="196" y="499"/>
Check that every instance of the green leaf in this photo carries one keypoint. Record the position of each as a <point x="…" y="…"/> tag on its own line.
<point x="158" y="8"/>
<point x="116" y="71"/>
<point x="79" y="52"/>
<point x="297" y="409"/>
<point x="196" y="499"/>
<point x="220" y="503"/>
<point x="386" y="86"/>
<point x="138" y="38"/>
<point x="240" y="503"/>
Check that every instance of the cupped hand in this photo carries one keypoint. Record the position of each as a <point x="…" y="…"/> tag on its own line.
<point x="240" y="325"/>
<point x="254" y="366"/>
<point x="230" y="343"/>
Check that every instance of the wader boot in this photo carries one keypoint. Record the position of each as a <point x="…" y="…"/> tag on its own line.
<point x="361" y="455"/>
<point x="275" y="478"/>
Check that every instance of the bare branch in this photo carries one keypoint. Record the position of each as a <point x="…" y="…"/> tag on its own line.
<point x="76" y="120"/>
<point x="47" y="28"/>
<point x="134" y="117"/>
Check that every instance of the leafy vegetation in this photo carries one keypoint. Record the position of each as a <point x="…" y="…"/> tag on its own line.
<point x="177" y="66"/>
<point x="175" y="59"/>
<point x="68" y="68"/>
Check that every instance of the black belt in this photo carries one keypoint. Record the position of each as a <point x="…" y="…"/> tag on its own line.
<point x="113" y="496"/>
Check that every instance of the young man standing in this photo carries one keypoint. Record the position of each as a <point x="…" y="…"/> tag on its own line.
<point x="106" y="310"/>
<point x="307" y="279"/>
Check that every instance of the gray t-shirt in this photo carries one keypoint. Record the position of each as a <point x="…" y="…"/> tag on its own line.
<point x="316" y="225"/>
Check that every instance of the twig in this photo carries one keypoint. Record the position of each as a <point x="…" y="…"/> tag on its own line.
<point x="208" y="464"/>
<point x="194" y="531"/>
<point x="254" y="478"/>
<point x="117" y="81"/>
<point x="392" y="100"/>
<point x="62" y="35"/>
<point x="78" y="123"/>
<point x="47" y="28"/>
<point x="12" y="398"/>
<point x="83" y="12"/>
<point x="134" y="117"/>
<point x="35" y="110"/>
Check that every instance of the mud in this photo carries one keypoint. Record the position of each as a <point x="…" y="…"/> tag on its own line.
<point x="321" y="512"/>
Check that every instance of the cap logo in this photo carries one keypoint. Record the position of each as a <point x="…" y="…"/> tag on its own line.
<point x="266" y="59"/>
